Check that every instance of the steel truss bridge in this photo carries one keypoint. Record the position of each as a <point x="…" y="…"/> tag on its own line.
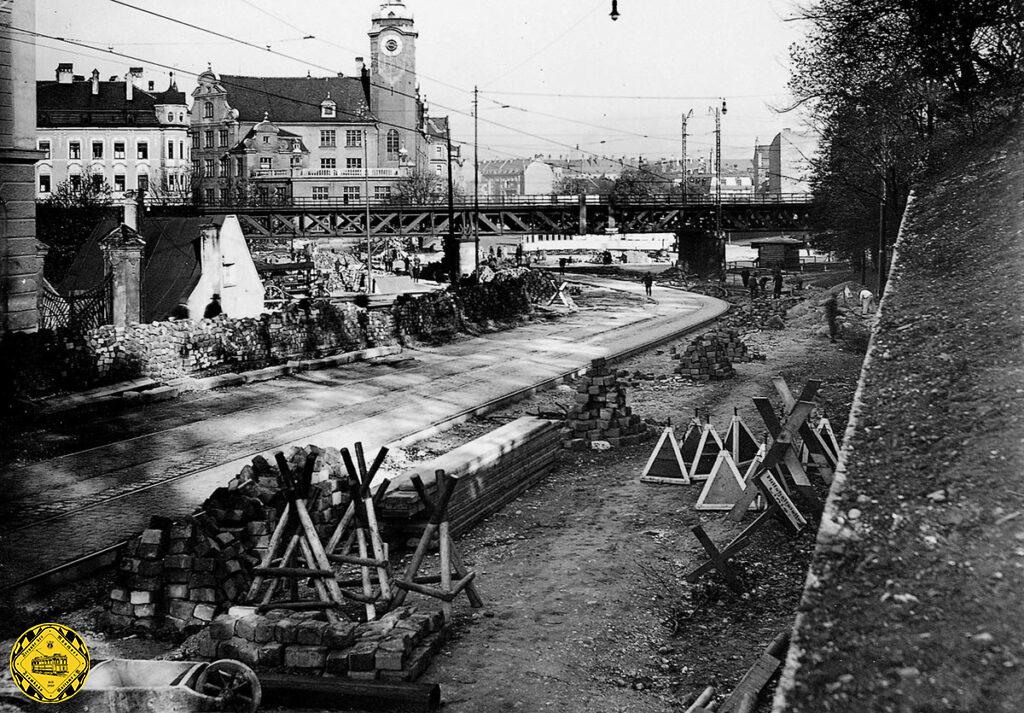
<point x="519" y="215"/>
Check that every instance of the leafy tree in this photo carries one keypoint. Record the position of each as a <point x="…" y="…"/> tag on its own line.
<point x="891" y="85"/>
<point x="573" y="185"/>
<point x="66" y="219"/>
<point x="636" y="183"/>
<point x="421" y="187"/>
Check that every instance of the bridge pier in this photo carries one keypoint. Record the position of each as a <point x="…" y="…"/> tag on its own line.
<point x="701" y="252"/>
<point x="581" y="228"/>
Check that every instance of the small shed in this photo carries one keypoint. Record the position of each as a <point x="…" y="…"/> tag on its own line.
<point x="778" y="252"/>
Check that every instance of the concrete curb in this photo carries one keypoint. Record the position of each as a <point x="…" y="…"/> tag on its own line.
<point x="830" y="532"/>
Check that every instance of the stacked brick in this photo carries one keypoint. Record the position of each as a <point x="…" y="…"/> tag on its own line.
<point x="180" y="574"/>
<point x="760" y="313"/>
<point x="433" y="317"/>
<point x="709" y="357"/>
<point x="601" y="412"/>
<point x="396" y="647"/>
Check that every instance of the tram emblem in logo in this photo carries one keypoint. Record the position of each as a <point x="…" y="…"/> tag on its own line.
<point x="50" y="663"/>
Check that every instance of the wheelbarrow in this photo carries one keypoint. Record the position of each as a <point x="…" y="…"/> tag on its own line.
<point x="128" y="686"/>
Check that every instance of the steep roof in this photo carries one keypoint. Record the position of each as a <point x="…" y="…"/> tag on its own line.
<point x="170" y="262"/>
<point x="295" y="99"/>
<point x="74" y="104"/>
<point x="437" y="127"/>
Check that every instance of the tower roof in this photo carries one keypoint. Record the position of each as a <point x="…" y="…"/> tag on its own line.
<point x="392" y="10"/>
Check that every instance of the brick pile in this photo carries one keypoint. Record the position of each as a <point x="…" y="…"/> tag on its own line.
<point x="760" y="313"/>
<point x="707" y="357"/>
<point x="396" y="647"/>
<point x="180" y="574"/>
<point x="601" y="412"/>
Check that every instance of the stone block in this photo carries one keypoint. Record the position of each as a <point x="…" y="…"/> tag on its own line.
<point x="265" y="630"/>
<point x="176" y="591"/>
<point x="285" y="631"/>
<point x="270" y="654"/>
<point x="336" y="663"/>
<point x="151" y="568"/>
<point x="178" y="562"/>
<point x="340" y="636"/>
<point x="362" y="656"/>
<point x="203" y="594"/>
<point x="245" y="628"/>
<point x="311" y="633"/>
<point x="181" y="608"/>
<point x="223" y="627"/>
<point x="119" y="594"/>
<point x="205" y="612"/>
<point x="390" y="657"/>
<point x="143" y="611"/>
<point x="121" y="609"/>
<point x="306" y="657"/>
<point x="142" y="597"/>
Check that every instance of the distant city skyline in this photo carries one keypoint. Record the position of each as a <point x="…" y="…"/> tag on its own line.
<point x="547" y="72"/>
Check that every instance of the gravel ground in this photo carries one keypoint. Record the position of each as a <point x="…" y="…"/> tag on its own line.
<point x="918" y="598"/>
<point x="587" y="609"/>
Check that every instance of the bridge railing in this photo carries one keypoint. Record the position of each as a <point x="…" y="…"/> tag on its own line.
<point x="492" y="202"/>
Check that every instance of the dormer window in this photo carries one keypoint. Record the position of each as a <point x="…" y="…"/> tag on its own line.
<point x="328" y="109"/>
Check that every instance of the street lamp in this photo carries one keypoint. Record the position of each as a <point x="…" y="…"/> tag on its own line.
<point x="614" y="14"/>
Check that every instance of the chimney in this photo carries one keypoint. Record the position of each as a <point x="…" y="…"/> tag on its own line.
<point x="211" y="261"/>
<point x="152" y="85"/>
<point x="128" y="87"/>
<point x="65" y="73"/>
<point x="136" y="72"/>
<point x="131" y="212"/>
<point x="95" y="82"/>
<point x="174" y="84"/>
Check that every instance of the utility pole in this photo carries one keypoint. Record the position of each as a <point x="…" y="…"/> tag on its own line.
<point x="476" y="176"/>
<point x="682" y="161"/>
<point x="366" y="198"/>
<point x="452" y="253"/>
<point x="718" y="169"/>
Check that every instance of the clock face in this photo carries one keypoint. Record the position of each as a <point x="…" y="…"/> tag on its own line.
<point x="391" y="45"/>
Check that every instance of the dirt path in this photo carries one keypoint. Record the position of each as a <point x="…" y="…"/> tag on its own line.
<point x="583" y="574"/>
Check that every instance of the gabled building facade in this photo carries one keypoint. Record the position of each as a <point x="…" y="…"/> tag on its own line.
<point x="122" y="132"/>
<point x="339" y="138"/>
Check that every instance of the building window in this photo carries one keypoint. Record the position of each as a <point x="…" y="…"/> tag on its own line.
<point x="350" y="194"/>
<point x="354" y="138"/>
<point x="328" y="163"/>
<point x="225" y="167"/>
<point x="74" y="150"/>
<point x="320" y="193"/>
<point x="170" y="149"/>
<point x="44" y="183"/>
<point x="382" y="192"/>
<point x="97" y="181"/>
<point x="393" y="145"/>
<point x="181" y="150"/>
<point x="296" y="161"/>
<point x="438" y="151"/>
<point x="119" y="149"/>
<point x="353" y="163"/>
<point x="97" y="149"/>
<point x="208" y="195"/>
<point x="181" y="117"/>
<point x="266" y="139"/>
<point x="222" y="137"/>
<point x="266" y="163"/>
<point x="143" y="181"/>
<point x="195" y="141"/>
<point x="172" y="181"/>
<point x="208" y="110"/>
<point x="208" y="139"/>
<point x="44" y="146"/>
<point x="240" y="166"/>
<point x="142" y="151"/>
<point x="437" y="170"/>
<point x="328" y="137"/>
<point x="76" y="181"/>
<point x="208" y="167"/>
<point x="328" y="109"/>
<point x="170" y="117"/>
<point x="119" y="182"/>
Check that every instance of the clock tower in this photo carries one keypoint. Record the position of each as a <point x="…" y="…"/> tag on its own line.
<point x="393" y="82"/>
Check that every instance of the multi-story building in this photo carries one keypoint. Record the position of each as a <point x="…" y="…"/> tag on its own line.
<point x="115" y="131"/>
<point x="790" y="159"/>
<point x="20" y="257"/>
<point x="319" y="138"/>
<point x="513" y="177"/>
<point x="760" y="163"/>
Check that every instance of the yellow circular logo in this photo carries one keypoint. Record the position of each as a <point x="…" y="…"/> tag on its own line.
<point x="50" y="663"/>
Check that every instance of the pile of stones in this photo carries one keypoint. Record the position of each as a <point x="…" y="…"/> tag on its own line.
<point x="707" y="358"/>
<point x="180" y="574"/>
<point x="601" y="412"/>
<point x="396" y="647"/>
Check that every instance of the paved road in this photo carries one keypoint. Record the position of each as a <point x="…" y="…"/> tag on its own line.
<point x="165" y="458"/>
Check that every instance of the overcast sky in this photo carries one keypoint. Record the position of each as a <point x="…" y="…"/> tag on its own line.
<point x="521" y="53"/>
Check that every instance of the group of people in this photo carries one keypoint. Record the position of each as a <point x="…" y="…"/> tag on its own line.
<point x="213" y="309"/>
<point x="758" y="285"/>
